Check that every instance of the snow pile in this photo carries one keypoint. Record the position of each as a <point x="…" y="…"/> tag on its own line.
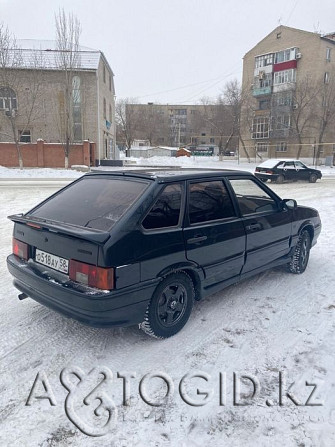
<point x="34" y="173"/>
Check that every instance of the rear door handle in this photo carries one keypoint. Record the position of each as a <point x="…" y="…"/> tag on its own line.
<point x="196" y="239"/>
<point x="254" y="227"/>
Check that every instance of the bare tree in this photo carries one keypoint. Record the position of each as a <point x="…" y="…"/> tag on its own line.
<point x="223" y="114"/>
<point x="304" y="109"/>
<point x="20" y="85"/>
<point x="326" y="111"/>
<point x="216" y="115"/>
<point x="235" y="98"/>
<point x="127" y="120"/>
<point x="68" y="30"/>
<point x="149" y="123"/>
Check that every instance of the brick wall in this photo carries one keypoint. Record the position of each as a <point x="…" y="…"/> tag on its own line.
<point x="46" y="155"/>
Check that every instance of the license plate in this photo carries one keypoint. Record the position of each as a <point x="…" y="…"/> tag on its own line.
<point x="52" y="261"/>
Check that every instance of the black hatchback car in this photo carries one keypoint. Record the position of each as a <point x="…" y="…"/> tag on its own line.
<point x="280" y="170"/>
<point x="135" y="247"/>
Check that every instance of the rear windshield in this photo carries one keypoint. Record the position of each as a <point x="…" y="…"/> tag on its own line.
<point x="271" y="163"/>
<point x="93" y="202"/>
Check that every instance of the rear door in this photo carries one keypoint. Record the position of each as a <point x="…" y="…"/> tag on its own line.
<point x="290" y="172"/>
<point x="303" y="172"/>
<point x="214" y="234"/>
<point x="160" y="244"/>
<point x="267" y="225"/>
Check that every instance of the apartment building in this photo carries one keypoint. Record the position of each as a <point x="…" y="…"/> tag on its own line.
<point x="92" y="108"/>
<point x="181" y="125"/>
<point x="288" y="84"/>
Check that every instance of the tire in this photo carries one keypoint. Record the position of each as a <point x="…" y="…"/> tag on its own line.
<point x="300" y="257"/>
<point x="280" y="178"/>
<point x="313" y="178"/>
<point x="170" y="306"/>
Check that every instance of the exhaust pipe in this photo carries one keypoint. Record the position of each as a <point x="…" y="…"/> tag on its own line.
<point x="22" y="296"/>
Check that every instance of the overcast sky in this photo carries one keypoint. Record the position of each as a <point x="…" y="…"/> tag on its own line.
<point x="170" y="51"/>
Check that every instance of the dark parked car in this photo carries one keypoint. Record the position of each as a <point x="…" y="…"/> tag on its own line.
<point x="280" y="170"/>
<point x="135" y="247"/>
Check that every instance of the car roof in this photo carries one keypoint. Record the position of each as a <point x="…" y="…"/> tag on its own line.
<point x="271" y="162"/>
<point x="171" y="174"/>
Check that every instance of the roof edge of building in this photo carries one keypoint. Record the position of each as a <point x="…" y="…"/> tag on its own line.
<point x="278" y="29"/>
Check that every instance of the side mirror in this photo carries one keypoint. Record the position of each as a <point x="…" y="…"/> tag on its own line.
<point x="289" y="203"/>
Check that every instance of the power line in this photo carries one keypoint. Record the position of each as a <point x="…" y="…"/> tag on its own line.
<point x="216" y="80"/>
<point x="292" y="11"/>
<point x="177" y="88"/>
<point x="207" y="88"/>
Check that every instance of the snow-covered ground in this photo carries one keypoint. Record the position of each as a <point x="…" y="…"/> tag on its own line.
<point x="32" y="173"/>
<point x="271" y="324"/>
<point x="134" y="163"/>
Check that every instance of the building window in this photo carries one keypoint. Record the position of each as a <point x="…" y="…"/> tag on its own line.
<point x="105" y="109"/>
<point x="282" y="99"/>
<point x="104" y="74"/>
<point x="285" y="55"/>
<point x="7" y="99"/>
<point x="284" y="76"/>
<point x="263" y="80"/>
<point x="260" y="127"/>
<point x="24" y="136"/>
<point x="262" y="147"/>
<point x="264" y="104"/>
<point x="326" y="78"/>
<point x="325" y="101"/>
<point x="110" y="113"/>
<point x="76" y="109"/>
<point x="278" y="35"/>
<point x="328" y="50"/>
<point x="263" y="60"/>
<point x="281" y="147"/>
<point x="282" y="122"/>
<point x="212" y="140"/>
<point x="180" y="112"/>
<point x="110" y="82"/>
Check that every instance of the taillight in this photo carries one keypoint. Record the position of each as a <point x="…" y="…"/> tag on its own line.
<point x="269" y="172"/>
<point x="20" y="249"/>
<point x="91" y="275"/>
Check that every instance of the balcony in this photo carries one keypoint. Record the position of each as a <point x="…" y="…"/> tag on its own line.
<point x="285" y="86"/>
<point x="261" y="91"/>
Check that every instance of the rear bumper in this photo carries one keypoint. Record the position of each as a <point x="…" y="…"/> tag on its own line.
<point x="264" y="176"/>
<point x="123" y="307"/>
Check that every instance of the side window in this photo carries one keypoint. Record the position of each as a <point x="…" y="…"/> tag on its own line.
<point x="166" y="210"/>
<point x="289" y="165"/>
<point x="252" y="198"/>
<point x="209" y="201"/>
<point x="299" y="165"/>
<point x="280" y="165"/>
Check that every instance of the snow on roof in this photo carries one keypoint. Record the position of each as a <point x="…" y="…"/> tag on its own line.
<point x="167" y="147"/>
<point x="44" y="54"/>
<point x="271" y="162"/>
<point x="37" y="44"/>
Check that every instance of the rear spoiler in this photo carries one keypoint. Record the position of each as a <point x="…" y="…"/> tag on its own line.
<point x="89" y="234"/>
